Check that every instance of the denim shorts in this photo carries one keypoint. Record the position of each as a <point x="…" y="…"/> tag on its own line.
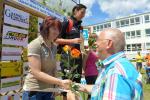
<point x="34" y="95"/>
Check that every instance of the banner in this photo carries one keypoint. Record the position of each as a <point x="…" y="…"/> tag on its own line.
<point x="14" y="36"/>
<point x="63" y="7"/>
<point x="10" y="84"/>
<point x="11" y="53"/>
<point x="10" y="69"/>
<point x="16" y="17"/>
<point x="33" y="4"/>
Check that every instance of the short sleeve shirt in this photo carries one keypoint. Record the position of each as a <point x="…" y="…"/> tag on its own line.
<point x="48" y="63"/>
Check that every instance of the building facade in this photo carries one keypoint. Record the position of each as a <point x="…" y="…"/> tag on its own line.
<point x="136" y="29"/>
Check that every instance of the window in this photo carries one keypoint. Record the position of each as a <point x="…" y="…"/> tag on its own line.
<point x="138" y="47"/>
<point x="147" y="32"/>
<point x="94" y="29"/>
<point x="122" y="23"/>
<point x="98" y="28"/>
<point x="132" y="34"/>
<point x="127" y="22"/>
<point x="148" y="46"/>
<point x="101" y="27"/>
<point x="105" y="26"/>
<point x="117" y="24"/>
<point x="128" y="47"/>
<point x="132" y="21"/>
<point x="147" y="19"/>
<point x="109" y="25"/>
<point x="138" y="33"/>
<point x="137" y="20"/>
<point x="127" y="35"/>
<point x="134" y="47"/>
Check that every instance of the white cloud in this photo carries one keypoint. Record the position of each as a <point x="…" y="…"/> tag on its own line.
<point x="89" y="4"/>
<point x="118" y="8"/>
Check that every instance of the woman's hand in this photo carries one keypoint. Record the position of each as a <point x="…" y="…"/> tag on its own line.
<point x="66" y="84"/>
<point x="77" y="40"/>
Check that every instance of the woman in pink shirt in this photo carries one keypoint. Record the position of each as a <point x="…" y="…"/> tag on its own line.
<point x="90" y="69"/>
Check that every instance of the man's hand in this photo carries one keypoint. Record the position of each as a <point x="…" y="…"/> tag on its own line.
<point x="66" y="84"/>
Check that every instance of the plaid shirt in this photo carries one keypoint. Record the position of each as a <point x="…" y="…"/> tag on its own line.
<point x="118" y="80"/>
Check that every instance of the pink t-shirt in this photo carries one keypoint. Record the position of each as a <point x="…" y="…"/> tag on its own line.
<point x="90" y="67"/>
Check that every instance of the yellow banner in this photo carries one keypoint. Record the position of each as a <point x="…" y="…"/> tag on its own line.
<point x="9" y="69"/>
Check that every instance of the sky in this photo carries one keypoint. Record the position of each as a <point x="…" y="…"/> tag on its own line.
<point x="102" y="10"/>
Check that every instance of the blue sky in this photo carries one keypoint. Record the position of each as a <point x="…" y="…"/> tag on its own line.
<point x="96" y="17"/>
<point x="102" y="10"/>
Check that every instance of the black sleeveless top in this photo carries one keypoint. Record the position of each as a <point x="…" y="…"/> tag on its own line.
<point x="74" y="33"/>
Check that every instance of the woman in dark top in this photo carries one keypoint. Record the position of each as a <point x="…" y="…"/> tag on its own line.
<point x="72" y="37"/>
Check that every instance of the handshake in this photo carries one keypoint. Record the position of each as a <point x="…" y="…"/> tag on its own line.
<point x="72" y="89"/>
<point x="69" y="85"/>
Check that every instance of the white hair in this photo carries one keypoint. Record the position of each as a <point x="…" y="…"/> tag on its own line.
<point x="117" y="37"/>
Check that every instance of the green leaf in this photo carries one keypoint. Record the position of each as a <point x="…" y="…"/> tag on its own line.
<point x="76" y="75"/>
<point x="60" y="74"/>
<point x="74" y="87"/>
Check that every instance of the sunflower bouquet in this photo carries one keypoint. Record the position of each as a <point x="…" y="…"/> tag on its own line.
<point x="69" y="63"/>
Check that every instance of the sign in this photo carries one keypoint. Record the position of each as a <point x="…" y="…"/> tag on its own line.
<point x="11" y="53"/>
<point x="33" y="4"/>
<point x="10" y="84"/>
<point x="14" y="36"/>
<point x="16" y="17"/>
<point x="9" y="69"/>
<point x="85" y="34"/>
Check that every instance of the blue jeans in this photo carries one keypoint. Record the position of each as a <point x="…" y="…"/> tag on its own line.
<point x="27" y="95"/>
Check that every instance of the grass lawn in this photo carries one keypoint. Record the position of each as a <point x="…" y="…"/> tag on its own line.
<point x="146" y="87"/>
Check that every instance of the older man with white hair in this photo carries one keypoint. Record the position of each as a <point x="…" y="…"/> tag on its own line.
<point x="119" y="80"/>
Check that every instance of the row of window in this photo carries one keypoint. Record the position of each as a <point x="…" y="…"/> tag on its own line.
<point x="136" y="47"/>
<point x="136" y="34"/>
<point x="122" y="23"/>
<point x="100" y="27"/>
<point x="127" y="22"/>
<point x="132" y="34"/>
<point x="133" y="47"/>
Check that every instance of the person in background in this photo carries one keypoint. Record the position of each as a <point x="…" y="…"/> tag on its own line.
<point x="139" y="60"/>
<point x="147" y="58"/>
<point x="89" y="64"/>
<point x="90" y="69"/>
<point x="42" y="64"/>
<point x="70" y="35"/>
<point x="119" y="79"/>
